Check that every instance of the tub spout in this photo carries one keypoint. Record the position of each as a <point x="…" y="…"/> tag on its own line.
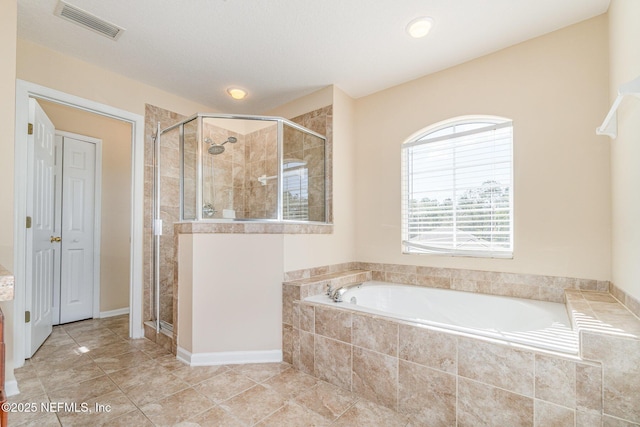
<point x="337" y="294"/>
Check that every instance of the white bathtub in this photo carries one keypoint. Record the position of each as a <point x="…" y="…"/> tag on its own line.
<point x="533" y="323"/>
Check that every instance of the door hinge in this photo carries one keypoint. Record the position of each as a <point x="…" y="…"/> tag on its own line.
<point x="27" y="316"/>
<point x="28" y="222"/>
<point x="30" y="129"/>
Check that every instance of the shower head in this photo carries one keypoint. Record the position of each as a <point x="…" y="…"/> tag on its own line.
<point x="218" y="148"/>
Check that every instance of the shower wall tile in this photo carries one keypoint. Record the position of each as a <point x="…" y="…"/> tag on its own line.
<point x="307" y="148"/>
<point x="169" y="205"/>
<point x="170" y="162"/>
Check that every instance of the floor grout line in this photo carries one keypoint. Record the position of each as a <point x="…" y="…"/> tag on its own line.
<point x="96" y="331"/>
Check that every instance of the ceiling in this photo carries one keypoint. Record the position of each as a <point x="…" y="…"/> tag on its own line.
<point x="280" y="50"/>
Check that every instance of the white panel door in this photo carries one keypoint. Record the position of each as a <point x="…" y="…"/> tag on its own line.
<point x="44" y="247"/>
<point x="78" y="205"/>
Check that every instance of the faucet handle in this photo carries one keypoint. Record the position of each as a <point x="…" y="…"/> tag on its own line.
<point x="329" y="289"/>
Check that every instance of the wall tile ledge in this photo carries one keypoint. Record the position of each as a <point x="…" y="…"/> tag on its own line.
<point x="609" y="333"/>
<point x="251" y="227"/>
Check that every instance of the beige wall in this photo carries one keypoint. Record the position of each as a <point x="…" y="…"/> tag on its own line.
<point x="116" y="196"/>
<point x="8" y="28"/>
<point x="624" y="61"/>
<point x="52" y="69"/>
<point x="234" y="308"/>
<point x="555" y="89"/>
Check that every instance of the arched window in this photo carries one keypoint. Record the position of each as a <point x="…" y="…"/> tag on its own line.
<point x="457" y="188"/>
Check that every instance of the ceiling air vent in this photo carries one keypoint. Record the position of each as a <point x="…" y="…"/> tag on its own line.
<point x="88" y="21"/>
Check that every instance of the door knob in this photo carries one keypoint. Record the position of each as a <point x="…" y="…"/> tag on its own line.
<point x="56" y="239"/>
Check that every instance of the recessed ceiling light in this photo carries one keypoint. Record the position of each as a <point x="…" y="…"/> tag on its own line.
<point x="419" y="27"/>
<point x="237" y="93"/>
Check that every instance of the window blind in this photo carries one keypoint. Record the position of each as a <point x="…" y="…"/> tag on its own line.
<point x="457" y="190"/>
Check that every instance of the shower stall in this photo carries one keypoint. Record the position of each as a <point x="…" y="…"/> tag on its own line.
<point x="226" y="168"/>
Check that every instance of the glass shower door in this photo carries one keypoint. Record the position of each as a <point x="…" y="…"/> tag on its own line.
<point x="170" y="155"/>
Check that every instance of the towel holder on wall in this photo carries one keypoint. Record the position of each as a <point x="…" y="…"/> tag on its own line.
<point x="609" y="126"/>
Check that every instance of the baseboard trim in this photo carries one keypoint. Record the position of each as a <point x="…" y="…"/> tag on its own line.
<point x="113" y="313"/>
<point x="229" y="357"/>
<point x="11" y="388"/>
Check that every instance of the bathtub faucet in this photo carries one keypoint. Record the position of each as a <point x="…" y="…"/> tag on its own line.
<point x="329" y="290"/>
<point x="336" y="295"/>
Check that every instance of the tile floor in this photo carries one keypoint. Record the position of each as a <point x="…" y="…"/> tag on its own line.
<point x="94" y="363"/>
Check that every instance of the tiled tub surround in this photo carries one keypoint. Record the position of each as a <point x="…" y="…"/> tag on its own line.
<point x="540" y="324"/>
<point x="442" y="378"/>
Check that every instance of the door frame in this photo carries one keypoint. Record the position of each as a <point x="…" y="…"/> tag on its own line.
<point x="97" y="217"/>
<point x="24" y="91"/>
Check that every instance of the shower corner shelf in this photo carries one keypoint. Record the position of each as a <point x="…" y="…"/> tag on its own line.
<point x="609" y="126"/>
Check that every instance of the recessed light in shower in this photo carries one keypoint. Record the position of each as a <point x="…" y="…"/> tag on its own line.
<point x="237" y="93"/>
<point x="419" y="27"/>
